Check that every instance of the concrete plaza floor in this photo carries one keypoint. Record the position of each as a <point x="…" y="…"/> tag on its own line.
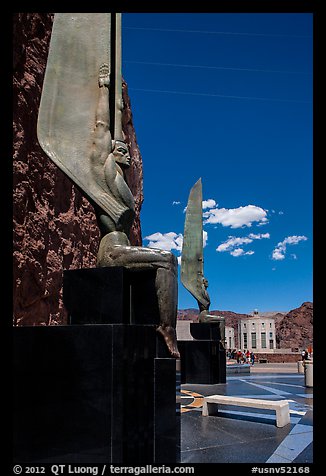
<point x="249" y="435"/>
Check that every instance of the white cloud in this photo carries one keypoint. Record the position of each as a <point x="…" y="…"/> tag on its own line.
<point x="259" y="236"/>
<point x="165" y="241"/>
<point x="210" y="203"/>
<point x="280" y="250"/>
<point x="241" y="252"/>
<point x="232" y="244"/>
<point x="170" y="241"/>
<point x="175" y="202"/>
<point x="277" y="255"/>
<point x="205" y="238"/>
<point x="293" y="240"/>
<point x="236" y="217"/>
<point x="237" y="252"/>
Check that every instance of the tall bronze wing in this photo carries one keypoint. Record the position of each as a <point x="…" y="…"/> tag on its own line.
<point x="80" y="44"/>
<point x="192" y="249"/>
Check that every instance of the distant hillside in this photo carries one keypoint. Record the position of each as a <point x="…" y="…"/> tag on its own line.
<point x="294" y="329"/>
<point x="272" y="313"/>
<point x="188" y="314"/>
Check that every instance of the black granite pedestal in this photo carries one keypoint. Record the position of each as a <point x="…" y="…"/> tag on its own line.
<point x="203" y="360"/>
<point x="110" y="296"/>
<point x="100" y="392"/>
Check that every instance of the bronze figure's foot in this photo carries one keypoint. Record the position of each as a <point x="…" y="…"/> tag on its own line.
<point x="104" y="75"/>
<point x="170" y="339"/>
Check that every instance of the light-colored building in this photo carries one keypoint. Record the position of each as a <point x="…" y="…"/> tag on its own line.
<point x="183" y="333"/>
<point x="229" y="338"/>
<point x="257" y="333"/>
<point x="183" y="330"/>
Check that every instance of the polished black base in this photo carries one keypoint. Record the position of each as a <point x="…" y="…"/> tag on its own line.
<point x="95" y="394"/>
<point x="203" y="360"/>
<point x="113" y="295"/>
<point x="102" y="389"/>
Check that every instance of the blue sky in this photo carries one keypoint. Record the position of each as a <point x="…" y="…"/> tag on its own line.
<point x="228" y="98"/>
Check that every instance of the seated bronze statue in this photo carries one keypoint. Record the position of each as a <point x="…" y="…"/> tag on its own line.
<point x="80" y="129"/>
<point x="109" y="159"/>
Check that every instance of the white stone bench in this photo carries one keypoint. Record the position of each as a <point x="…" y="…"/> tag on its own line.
<point x="238" y="369"/>
<point x="281" y="407"/>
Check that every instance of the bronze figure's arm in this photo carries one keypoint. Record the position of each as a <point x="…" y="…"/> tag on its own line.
<point x="102" y="143"/>
<point x="109" y="157"/>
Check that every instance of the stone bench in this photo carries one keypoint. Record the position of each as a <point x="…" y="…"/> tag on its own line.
<point x="281" y="407"/>
<point x="238" y="369"/>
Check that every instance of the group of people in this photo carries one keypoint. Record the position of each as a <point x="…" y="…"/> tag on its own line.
<point x="242" y="357"/>
<point x="305" y="355"/>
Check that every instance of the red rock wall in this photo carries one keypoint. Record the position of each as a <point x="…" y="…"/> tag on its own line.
<point x="295" y="330"/>
<point x="134" y="174"/>
<point x="278" y="358"/>
<point x="54" y="226"/>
